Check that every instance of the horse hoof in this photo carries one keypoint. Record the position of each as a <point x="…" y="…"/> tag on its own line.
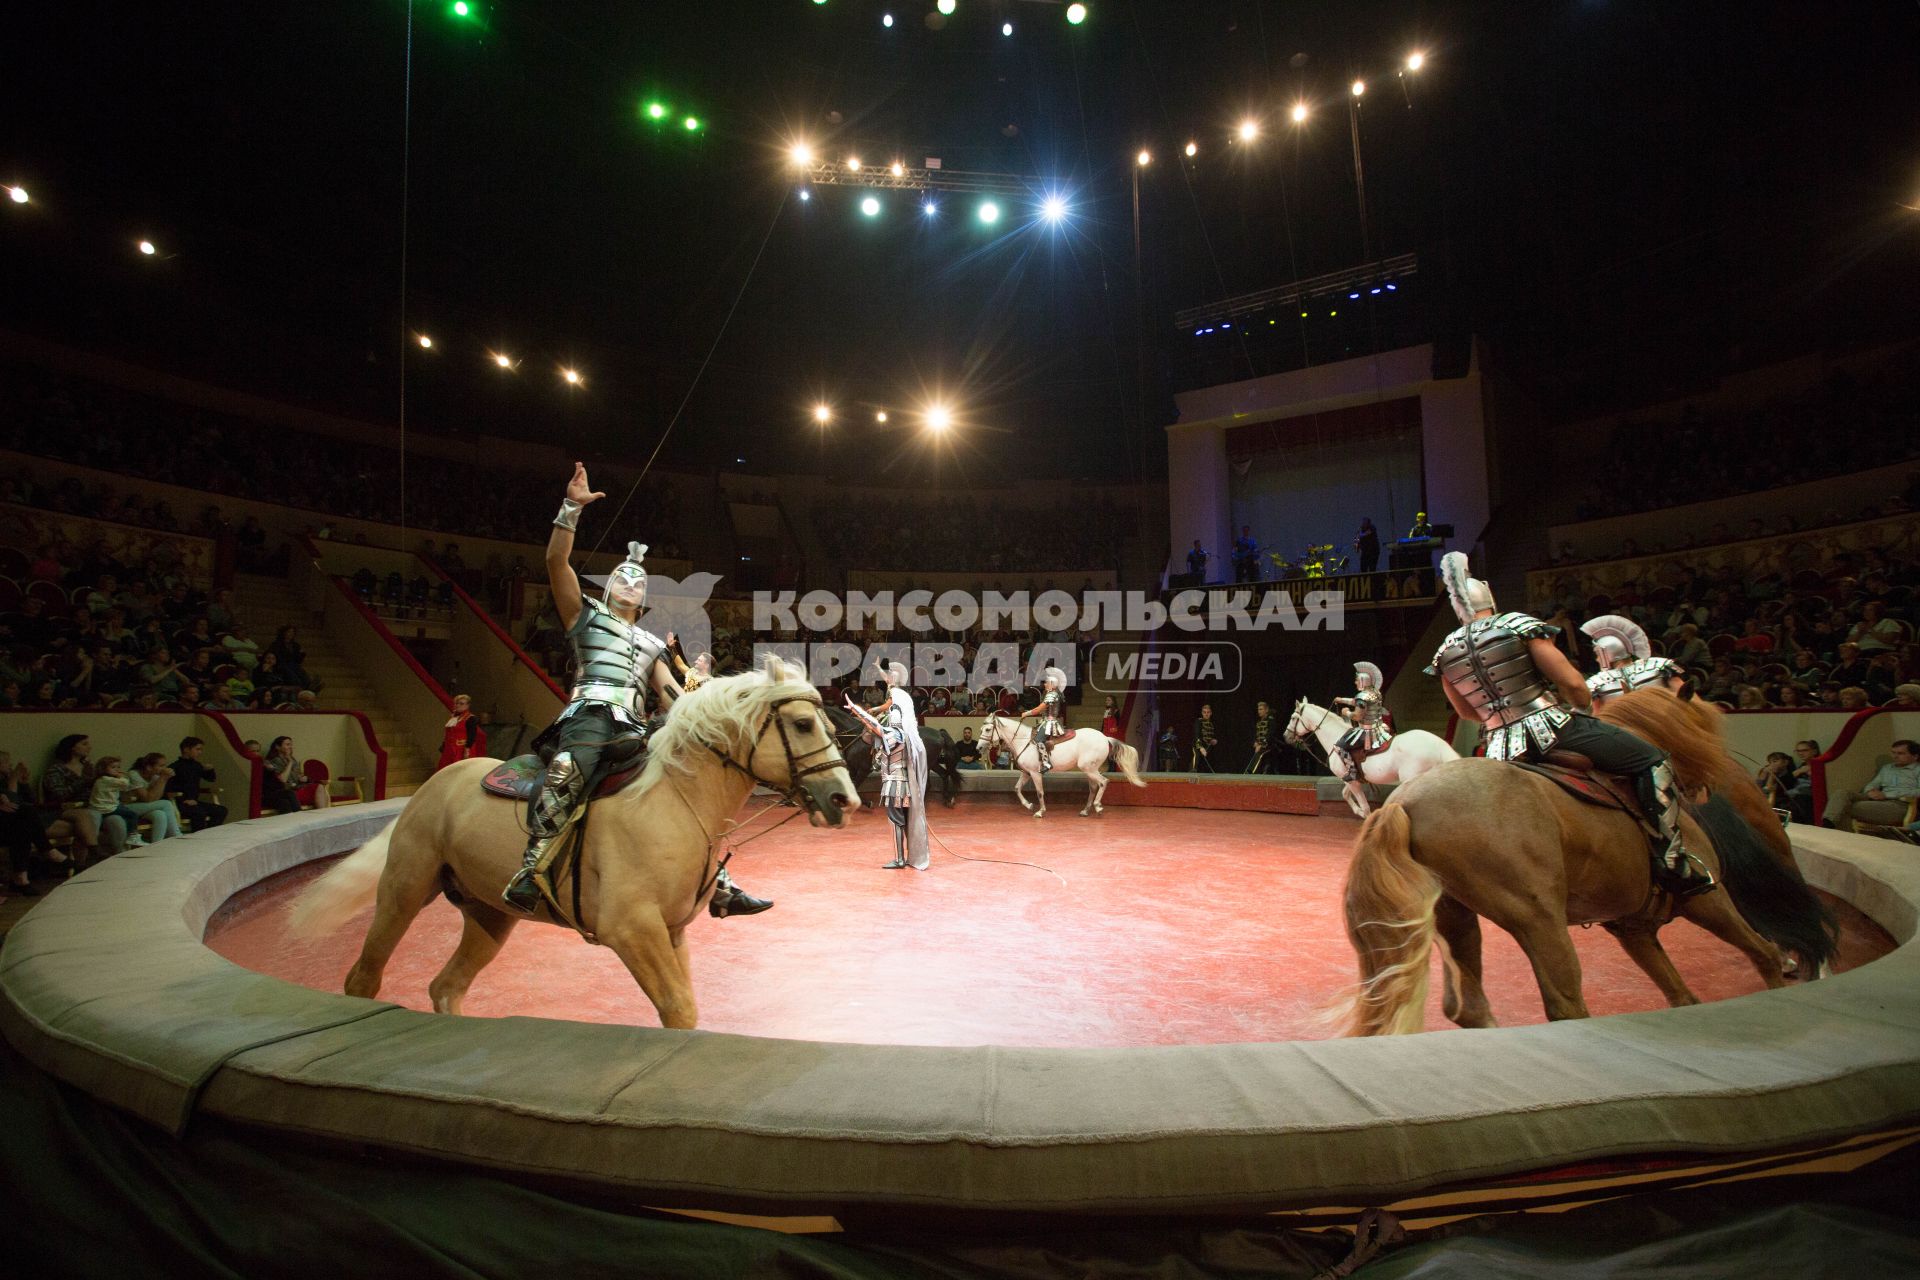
<point x="1039" y="813"/>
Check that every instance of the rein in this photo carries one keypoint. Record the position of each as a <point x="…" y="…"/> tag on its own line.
<point x="1311" y="736"/>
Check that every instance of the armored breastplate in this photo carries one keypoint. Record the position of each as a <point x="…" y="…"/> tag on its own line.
<point x="1642" y="672"/>
<point x="610" y="654"/>
<point x="1489" y="666"/>
<point x="1372" y="708"/>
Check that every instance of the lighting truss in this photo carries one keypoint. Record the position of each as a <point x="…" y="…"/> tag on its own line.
<point x="1334" y="283"/>
<point x="880" y="177"/>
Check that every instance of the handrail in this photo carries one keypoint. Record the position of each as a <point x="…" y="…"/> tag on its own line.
<point x="380" y="628"/>
<point x="256" y="769"/>
<point x="1817" y="767"/>
<point x="499" y="631"/>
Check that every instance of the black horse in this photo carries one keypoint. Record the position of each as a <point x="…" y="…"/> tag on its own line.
<point x="943" y="757"/>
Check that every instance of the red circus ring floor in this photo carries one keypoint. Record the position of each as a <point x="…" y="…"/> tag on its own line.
<point x="1152" y="927"/>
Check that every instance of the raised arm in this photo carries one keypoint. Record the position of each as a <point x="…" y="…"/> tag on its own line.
<point x="560" y="575"/>
<point x="664" y="684"/>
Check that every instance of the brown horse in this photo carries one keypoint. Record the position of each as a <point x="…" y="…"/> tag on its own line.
<point x="1480" y="838"/>
<point x="648" y="861"/>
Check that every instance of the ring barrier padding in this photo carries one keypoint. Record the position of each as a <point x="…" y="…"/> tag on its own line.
<point x="107" y="985"/>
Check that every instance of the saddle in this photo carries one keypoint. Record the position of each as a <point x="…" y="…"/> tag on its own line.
<point x="1574" y="774"/>
<point x="520" y="777"/>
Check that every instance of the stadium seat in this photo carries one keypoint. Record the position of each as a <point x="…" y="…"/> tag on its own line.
<point x="49" y="592"/>
<point x="1720" y="645"/>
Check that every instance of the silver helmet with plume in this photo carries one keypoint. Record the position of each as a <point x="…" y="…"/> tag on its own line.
<point x="1469" y="594"/>
<point x="1615" y="637"/>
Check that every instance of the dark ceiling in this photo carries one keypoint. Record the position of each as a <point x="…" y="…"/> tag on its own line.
<point x="1624" y="199"/>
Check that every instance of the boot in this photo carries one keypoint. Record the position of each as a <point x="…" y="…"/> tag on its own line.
<point x="1678" y="872"/>
<point x="546" y="822"/>
<point x="729" y="900"/>
<point x="529" y="887"/>
<point x="899" y="845"/>
<point x="1042" y="749"/>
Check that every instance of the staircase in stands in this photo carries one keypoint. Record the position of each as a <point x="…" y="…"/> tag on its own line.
<point x="266" y="603"/>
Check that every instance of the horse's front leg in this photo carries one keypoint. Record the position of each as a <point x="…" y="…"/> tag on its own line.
<point x="1039" y="791"/>
<point x="639" y="937"/>
<point x="1020" y="786"/>
<point x="1355" y="792"/>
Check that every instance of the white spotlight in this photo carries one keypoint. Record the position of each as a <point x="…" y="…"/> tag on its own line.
<point x="939" y="417"/>
<point x="1193" y="149"/>
<point x="1006" y="28"/>
<point x="146" y="248"/>
<point x="1416" y="60"/>
<point x="503" y="360"/>
<point x="946" y="6"/>
<point x="822" y="414"/>
<point x="1053" y="208"/>
<point x="17" y="194"/>
<point x="896" y="169"/>
<point x="1249" y="130"/>
<point x="1359" y="87"/>
<point x="880" y="416"/>
<point x="853" y="164"/>
<point x="929" y="208"/>
<point x="806" y="194"/>
<point x="870" y="206"/>
<point x="886" y="20"/>
<point x="1299" y="113"/>
<point x="424" y="341"/>
<point x="989" y="212"/>
<point x="802" y="154"/>
<point x="572" y="376"/>
<point x="1144" y="159"/>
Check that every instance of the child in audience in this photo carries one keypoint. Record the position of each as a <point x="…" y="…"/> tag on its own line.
<point x="110" y="784"/>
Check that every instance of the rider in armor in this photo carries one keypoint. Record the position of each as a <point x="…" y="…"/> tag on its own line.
<point x="902" y="763"/>
<point x="1504" y="671"/>
<point x="1626" y="660"/>
<point x="1368" y="711"/>
<point x="603" y="725"/>
<point x="1052" y="711"/>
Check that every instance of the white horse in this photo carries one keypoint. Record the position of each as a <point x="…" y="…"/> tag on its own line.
<point x="1405" y="758"/>
<point x="1084" y="749"/>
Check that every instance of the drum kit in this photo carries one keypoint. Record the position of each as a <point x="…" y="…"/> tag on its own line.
<point x="1317" y="561"/>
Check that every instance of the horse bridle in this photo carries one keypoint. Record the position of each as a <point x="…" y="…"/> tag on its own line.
<point x="1300" y="740"/>
<point x="796" y="773"/>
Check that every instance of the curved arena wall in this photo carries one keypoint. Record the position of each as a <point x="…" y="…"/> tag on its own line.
<point x="107" y="985"/>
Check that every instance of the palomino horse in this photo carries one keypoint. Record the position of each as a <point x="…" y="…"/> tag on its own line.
<point x="1088" y="750"/>
<point x="1407" y="756"/>
<point x="1477" y="838"/>
<point x="648" y="864"/>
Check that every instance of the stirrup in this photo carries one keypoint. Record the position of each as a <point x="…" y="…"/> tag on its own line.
<point x="528" y="891"/>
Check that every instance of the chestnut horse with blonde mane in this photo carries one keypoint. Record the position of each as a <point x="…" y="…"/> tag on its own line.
<point x="1480" y="838"/>
<point x="647" y="862"/>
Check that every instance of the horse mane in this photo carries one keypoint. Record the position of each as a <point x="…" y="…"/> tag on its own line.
<point x="1688" y="731"/>
<point x="723" y="714"/>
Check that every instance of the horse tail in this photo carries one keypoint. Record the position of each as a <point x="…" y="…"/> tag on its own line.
<point x="332" y="900"/>
<point x="1390" y="902"/>
<point x="1128" y="759"/>
<point x="1769" y="894"/>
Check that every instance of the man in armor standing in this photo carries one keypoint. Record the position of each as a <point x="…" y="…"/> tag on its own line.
<point x="1626" y="660"/>
<point x="1503" y="671"/>
<point x="1370" y="732"/>
<point x="901" y="757"/>
<point x="1052" y="711"/>
<point x="615" y="662"/>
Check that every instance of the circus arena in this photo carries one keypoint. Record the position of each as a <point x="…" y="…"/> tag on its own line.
<point x="959" y="638"/>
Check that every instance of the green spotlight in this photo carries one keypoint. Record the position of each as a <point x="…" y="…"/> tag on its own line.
<point x="691" y="124"/>
<point x="1076" y="14"/>
<point x="461" y="9"/>
<point x="656" y="110"/>
<point x="989" y="212"/>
